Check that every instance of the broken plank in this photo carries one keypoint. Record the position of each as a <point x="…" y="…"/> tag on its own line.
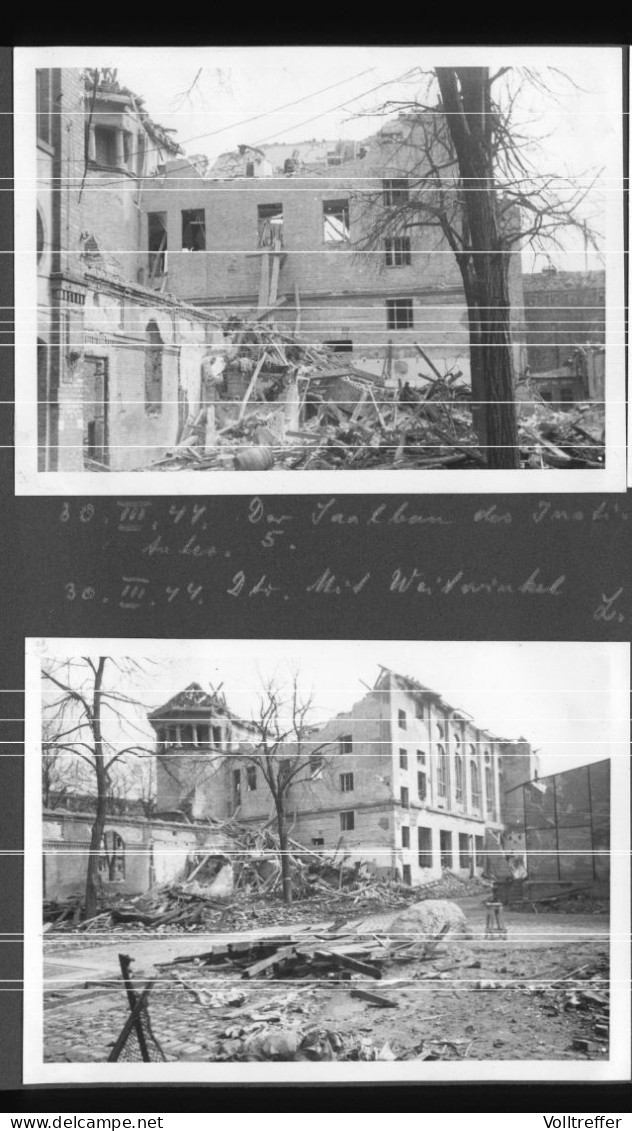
<point x="249" y="390"/>
<point x="375" y="999"/>
<point x="350" y="963"/>
<point x="266" y="963"/>
<point x="428" y="361"/>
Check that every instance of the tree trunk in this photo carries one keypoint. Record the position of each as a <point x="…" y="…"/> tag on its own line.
<point x="468" y="113"/>
<point x="98" y="828"/>
<point x="286" y="876"/>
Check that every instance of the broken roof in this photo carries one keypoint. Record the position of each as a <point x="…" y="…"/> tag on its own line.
<point x="108" y="87"/>
<point x="193" y="698"/>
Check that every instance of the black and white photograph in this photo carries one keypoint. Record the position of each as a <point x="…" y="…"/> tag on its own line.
<point x="340" y="860"/>
<point x="346" y="262"/>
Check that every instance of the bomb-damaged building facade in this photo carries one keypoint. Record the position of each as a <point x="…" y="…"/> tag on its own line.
<point x="403" y="782"/>
<point x="157" y="277"/>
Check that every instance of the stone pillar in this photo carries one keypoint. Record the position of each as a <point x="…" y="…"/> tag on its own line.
<point x="119" y="149"/>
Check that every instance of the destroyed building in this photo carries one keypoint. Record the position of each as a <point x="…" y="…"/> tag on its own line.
<point x="289" y="225"/>
<point x="565" y="328"/>
<point x="136" y="852"/>
<point x="152" y="267"/>
<point x="118" y="362"/>
<point x="406" y="782"/>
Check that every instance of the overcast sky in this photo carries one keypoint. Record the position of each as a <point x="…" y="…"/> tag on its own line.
<point x="564" y="698"/>
<point x="218" y="98"/>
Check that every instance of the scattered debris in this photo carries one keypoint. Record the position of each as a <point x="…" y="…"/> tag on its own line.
<point x="285" y="404"/>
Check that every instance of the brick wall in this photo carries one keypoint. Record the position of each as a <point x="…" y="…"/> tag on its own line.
<point x="68" y="169"/>
<point x="231" y="265"/>
<point x="154" y="851"/>
<point x="109" y="211"/>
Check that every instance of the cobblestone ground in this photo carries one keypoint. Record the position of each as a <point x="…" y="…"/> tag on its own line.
<point x="492" y="999"/>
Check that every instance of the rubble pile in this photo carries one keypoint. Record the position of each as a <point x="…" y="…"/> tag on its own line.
<point x="241" y="1015"/>
<point x="281" y="403"/>
<point x="566" y="439"/>
<point x="221" y="895"/>
<point x="583" y="993"/>
<point x="577" y="903"/>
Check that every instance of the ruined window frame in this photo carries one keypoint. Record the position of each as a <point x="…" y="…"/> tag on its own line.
<point x="189" y="224"/>
<point x="157" y="249"/>
<point x="405" y="830"/>
<point x="404" y="796"/>
<point x="251" y="779"/>
<point x="336" y="208"/>
<point x="402" y="719"/>
<point x="346" y="744"/>
<point x="266" y="230"/>
<point x="403" y="759"/>
<point x="154" y="369"/>
<point x="105" y="153"/>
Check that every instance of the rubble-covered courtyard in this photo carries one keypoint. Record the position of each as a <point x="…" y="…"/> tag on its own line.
<point x="341" y="987"/>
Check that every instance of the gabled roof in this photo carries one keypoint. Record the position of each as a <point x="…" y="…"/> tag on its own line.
<point x="409" y="683"/>
<point x="193" y="698"/>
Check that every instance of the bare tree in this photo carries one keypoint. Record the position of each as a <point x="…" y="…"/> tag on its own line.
<point x="286" y="754"/>
<point x="145" y="784"/>
<point x="466" y="169"/>
<point x="90" y="715"/>
<point x="63" y="777"/>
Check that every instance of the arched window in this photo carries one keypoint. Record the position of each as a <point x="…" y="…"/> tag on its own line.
<point x="112" y="858"/>
<point x="475" y="779"/>
<point x="153" y="370"/>
<point x="442" y="772"/>
<point x="489" y="791"/>
<point x="458" y="778"/>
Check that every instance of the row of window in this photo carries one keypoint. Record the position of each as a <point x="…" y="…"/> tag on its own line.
<point x="112" y="861"/>
<point x="335" y="216"/>
<point x="443" y="779"/>
<point x="251" y="780"/>
<point x="425" y="848"/>
<point x="443" y="784"/>
<point x="195" y="734"/>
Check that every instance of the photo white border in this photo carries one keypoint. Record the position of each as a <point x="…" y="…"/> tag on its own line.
<point x="36" y="1071"/>
<point x="30" y="481"/>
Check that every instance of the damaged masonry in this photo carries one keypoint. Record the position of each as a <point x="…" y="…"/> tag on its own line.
<point x="410" y="852"/>
<point x="238" y="314"/>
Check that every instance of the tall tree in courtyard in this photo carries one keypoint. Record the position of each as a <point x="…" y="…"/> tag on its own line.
<point x="286" y="752"/>
<point x="463" y="165"/>
<point x="91" y="716"/>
